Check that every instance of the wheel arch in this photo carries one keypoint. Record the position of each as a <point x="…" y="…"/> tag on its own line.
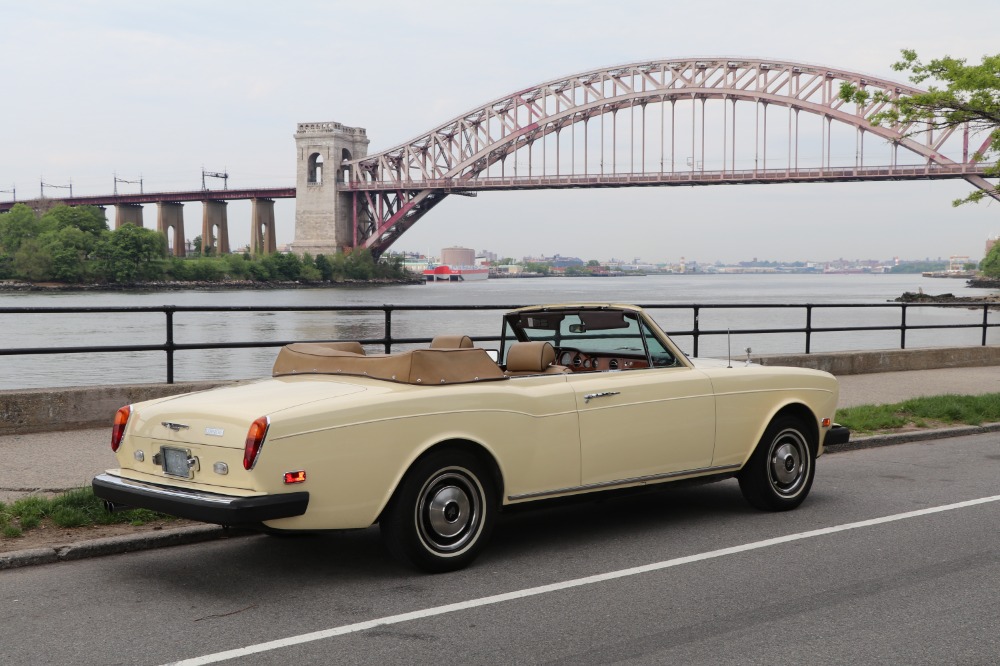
<point x="483" y="453"/>
<point x="804" y="414"/>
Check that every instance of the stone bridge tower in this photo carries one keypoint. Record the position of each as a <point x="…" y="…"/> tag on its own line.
<point x="323" y="217"/>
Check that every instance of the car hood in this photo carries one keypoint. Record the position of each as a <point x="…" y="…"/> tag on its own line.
<point x="707" y="363"/>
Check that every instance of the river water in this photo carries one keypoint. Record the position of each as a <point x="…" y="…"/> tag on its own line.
<point x="65" y="330"/>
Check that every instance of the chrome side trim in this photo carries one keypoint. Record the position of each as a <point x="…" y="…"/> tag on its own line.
<point x="170" y="492"/>
<point x="625" y="482"/>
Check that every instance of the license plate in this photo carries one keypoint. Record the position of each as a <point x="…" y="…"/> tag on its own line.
<point x="176" y="462"/>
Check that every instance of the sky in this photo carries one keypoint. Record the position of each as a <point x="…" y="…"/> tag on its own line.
<point x="161" y="90"/>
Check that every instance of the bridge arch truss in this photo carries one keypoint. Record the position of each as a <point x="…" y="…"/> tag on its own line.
<point x="669" y="122"/>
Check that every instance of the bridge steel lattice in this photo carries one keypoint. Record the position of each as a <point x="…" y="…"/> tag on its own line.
<point x="695" y="121"/>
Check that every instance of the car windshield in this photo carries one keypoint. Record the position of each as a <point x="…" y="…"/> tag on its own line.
<point x="599" y="332"/>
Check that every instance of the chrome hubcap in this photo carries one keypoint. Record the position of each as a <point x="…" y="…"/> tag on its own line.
<point x="789" y="463"/>
<point x="449" y="510"/>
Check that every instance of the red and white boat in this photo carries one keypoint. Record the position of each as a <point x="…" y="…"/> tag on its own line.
<point x="445" y="273"/>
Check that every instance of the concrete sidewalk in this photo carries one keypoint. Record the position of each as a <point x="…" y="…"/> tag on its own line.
<point x="888" y="387"/>
<point x="55" y="461"/>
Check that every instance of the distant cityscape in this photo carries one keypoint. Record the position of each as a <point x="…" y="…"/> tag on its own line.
<point x="500" y="266"/>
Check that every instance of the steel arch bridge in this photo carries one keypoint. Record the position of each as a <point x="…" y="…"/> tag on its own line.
<point x="698" y="121"/>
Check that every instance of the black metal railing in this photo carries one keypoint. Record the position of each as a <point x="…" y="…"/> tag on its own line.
<point x="170" y="347"/>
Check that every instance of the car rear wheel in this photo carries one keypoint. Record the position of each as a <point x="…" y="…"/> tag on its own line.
<point x="442" y="514"/>
<point x="780" y="472"/>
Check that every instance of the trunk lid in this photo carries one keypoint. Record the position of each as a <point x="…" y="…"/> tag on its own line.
<point x="222" y="416"/>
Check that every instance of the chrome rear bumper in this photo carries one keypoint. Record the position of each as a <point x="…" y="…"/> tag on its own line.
<point x="198" y="505"/>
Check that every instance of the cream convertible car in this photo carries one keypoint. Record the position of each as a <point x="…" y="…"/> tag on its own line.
<point x="432" y="443"/>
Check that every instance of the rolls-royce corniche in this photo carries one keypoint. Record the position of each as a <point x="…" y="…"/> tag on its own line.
<point x="432" y="443"/>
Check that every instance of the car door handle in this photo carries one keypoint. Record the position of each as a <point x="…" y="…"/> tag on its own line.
<point x="602" y="394"/>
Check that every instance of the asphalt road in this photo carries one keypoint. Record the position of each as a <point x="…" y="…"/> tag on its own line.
<point x="916" y="588"/>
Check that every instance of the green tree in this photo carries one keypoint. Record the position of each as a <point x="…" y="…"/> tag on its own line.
<point x="359" y="264"/>
<point x="283" y="266"/>
<point x="971" y="94"/>
<point x="325" y="267"/>
<point x="88" y="219"/>
<point x="132" y="254"/>
<point x="238" y="265"/>
<point x="31" y="261"/>
<point x="16" y="226"/>
<point x="390" y="267"/>
<point x="68" y="249"/>
<point x="990" y="265"/>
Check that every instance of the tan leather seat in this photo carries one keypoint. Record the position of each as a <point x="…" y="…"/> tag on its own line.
<point x="533" y="358"/>
<point x="451" y="342"/>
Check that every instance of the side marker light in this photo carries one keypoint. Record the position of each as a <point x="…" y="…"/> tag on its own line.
<point x="295" y="477"/>
<point x="826" y="423"/>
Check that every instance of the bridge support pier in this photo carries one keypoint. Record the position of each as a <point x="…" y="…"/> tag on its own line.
<point x="128" y="214"/>
<point x="262" y="239"/>
<point x="324" y="220"/>
<point x="214" y="218"/>
<point x="170" y="215"/>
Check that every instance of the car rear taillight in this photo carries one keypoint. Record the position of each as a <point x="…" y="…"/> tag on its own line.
<point x="118" y="430"/>
<point x="255" y="440"/>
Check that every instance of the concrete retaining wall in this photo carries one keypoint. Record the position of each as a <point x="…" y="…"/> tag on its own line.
<point x="41" y="410"/>
<point x="889" y="360"/>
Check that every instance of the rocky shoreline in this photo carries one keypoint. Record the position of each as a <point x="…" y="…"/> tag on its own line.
<point x="984" y="283"/>
<point x="49" y="287"/>
<point x="921" y="297"/>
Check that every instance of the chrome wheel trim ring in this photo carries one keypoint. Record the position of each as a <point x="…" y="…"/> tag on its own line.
<point x="788" y="463"/>
<point x="449" y="511"/>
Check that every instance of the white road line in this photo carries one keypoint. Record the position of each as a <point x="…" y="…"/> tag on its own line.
<point x="555" y="587"/>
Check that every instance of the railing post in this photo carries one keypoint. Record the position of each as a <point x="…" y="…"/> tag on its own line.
<point x="695" y="329"/>
<point x="986" y="314"/>
<point x="388" y="328"/>
<point x="169" y="311"/>
<point x="809" y="319"/>
<point x="902" y="327"/>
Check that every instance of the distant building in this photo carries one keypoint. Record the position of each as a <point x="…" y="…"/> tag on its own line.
<point x="458" y="256"/>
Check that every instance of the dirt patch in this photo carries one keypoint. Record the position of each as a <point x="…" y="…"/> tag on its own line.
<point x="48" y="535"/>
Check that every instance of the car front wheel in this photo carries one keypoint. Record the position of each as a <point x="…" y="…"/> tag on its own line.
<point x="780" y="472"/>
<point x="442" y="514"/>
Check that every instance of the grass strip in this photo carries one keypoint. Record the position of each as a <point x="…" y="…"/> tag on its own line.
<point x="925" y="412"/>
<point x="74" y="508"/>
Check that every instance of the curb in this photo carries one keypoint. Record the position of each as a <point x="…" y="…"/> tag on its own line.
<point x="125" y="543"/>
<point x="872" y="441"/>
<point x="129" y="543"/>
